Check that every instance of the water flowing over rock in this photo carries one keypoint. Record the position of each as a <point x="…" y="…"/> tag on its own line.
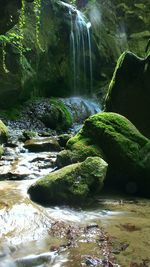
<point x="81" y="108"/>
<point x="81" y="52"/>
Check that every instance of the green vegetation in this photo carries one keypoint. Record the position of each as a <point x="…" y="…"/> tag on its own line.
<point x="15" y="37"/>
<point x="73" y="184"/>
<point x="37" y="11"/>
<point x="3" y="132"/>
<point x="129" y="93"/>
<point x="58" y="117"/>
<point x="13" y="113"/>
<point x="1" y="151"/>
<point x="121" y="144"/>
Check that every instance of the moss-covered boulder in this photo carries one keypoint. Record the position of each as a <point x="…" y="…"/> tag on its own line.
<point x="3" y="132"/>
<point x="129" y="92"/>
<point x="63" y="139"/>
<point x="57" y="116"/>
<point x="122" y="145"/>
<point x="73" y="184"/>
<point x="41" y="113"/>
<point x="78" y="150"/>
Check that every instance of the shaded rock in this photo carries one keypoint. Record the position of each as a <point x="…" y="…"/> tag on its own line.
<point x="73" y="184"/>
<point x="29" y="134"/>
<point x="40" y="115"/>
<point x="34" y="260"/>
<point x="81" y="108"/>
<point x="64" y="158"/>
<point x="56" y="116"/>
<point x="129" y="92"/>
<point x="122" y="144"/>
<point x="9" y="14"/>
<point x="63" y="139"/>
<point x="42" y="144"/>
<point x="13" y="176"/>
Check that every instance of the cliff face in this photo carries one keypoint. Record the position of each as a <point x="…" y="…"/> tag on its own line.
<point x="118" y="26"/>
<point x="35" y="58"/>
<point x="9" y="13"/>
<point x="41" y="63"/>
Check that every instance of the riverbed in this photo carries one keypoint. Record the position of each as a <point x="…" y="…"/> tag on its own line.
<point x="115" y="231"/>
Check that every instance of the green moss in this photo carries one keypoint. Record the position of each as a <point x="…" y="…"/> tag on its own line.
<point x="66" y="118"/>
<point x="3" y="132"/>
<point x="83" y="147"/>
<point x="118" y="65"/>
<point x="101" y="129"/>
<point x="1" y="151"/>
<point x="129" y="90"/>
<point x="12" y="113"/>
<point x="74" y="184"/>
<point x="121" y="144"/>
<point x="58" y="116"/>
<point x="116" y="136"/>
<point x="29" y="134"/>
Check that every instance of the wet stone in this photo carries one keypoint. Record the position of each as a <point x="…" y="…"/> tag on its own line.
<point x="42" y="144"/>
<point x="13" y="176"/>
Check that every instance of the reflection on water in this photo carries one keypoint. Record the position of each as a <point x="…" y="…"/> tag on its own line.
<point x="26" y="238"/>
<point x="25" y="235"/>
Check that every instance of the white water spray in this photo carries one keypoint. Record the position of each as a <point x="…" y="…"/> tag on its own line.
<point x="81" y="51"/>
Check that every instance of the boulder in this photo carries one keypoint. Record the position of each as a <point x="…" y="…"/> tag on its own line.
<point x="122" y="145"/>
<point x="63" y="139"/>
<point x="56" y="115"/>
<point x="73" y="184"/>
<point x="42" y="144"/>
<point x="129" y="92"/>
<point x="78" y="151"/>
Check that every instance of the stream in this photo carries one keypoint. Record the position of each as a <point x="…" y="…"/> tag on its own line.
<point x="114" y="231"/>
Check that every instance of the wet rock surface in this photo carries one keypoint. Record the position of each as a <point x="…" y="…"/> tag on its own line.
<point x="113" y="233"/>
<point x="19" y="163"/>
<point x="42" y="144"/>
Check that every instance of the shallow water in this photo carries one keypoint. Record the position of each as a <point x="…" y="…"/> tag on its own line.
<point x="25" y="228"/>
<point x="28" y="230"/>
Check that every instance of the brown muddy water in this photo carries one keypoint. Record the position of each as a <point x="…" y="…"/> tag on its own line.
<point x="114" y="232"/>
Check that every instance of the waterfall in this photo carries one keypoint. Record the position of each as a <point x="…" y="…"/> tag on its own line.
<point x="80" y="52"/>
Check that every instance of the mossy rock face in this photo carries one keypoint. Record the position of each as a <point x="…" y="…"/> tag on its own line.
<point x="129" y="92"/>
<point x="78" y="153"/>
<point x="58" y="116"/>
<point x="3" y="132"/>
<point x="63" y="139"/>
<point x="64" y="158"/>
<point x="122" y="146"/>
<point x="82" y="147"/>
<point x="74" y="184"/>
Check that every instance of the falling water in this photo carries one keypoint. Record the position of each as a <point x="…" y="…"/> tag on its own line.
<point x="81" y="55"/>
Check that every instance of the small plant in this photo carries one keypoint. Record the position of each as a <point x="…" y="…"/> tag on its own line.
<point x="22" y="21"/>
<point x="37" y="12"/>
<point x="4" y="58"/>
<point x="16" y="38"/>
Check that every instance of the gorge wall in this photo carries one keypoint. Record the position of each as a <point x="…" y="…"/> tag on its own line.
<point x="39" y="64"/>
